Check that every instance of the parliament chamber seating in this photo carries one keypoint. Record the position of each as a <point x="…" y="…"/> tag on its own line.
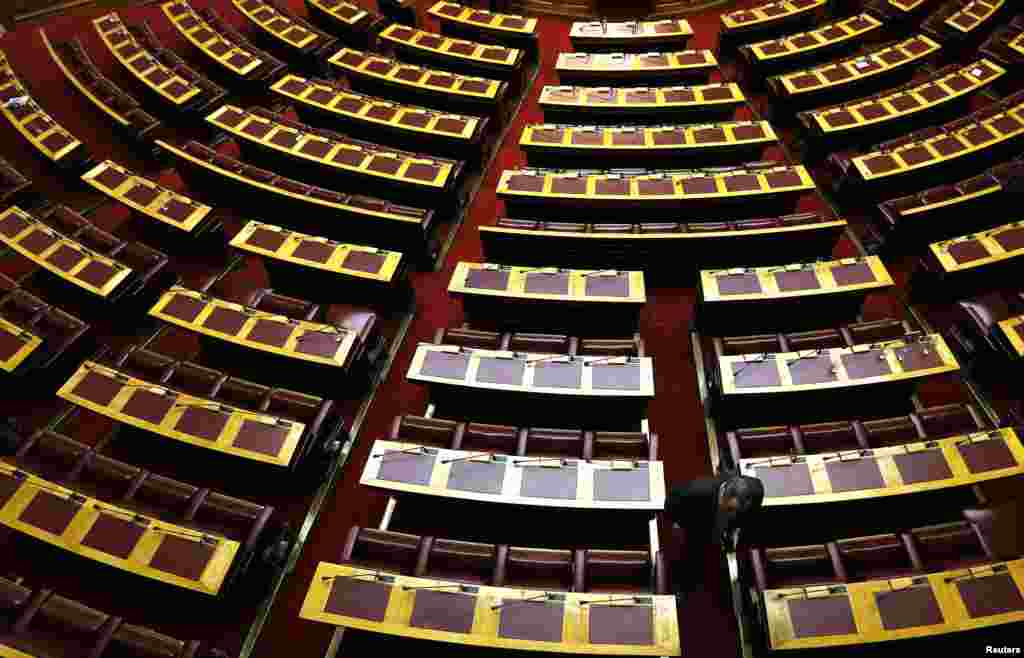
<point x="938" y="153"/>
<point x="164" y="76"/>
<point x="630" y="36"/>
<point x="330" y="157"/>
<point x="848" y="335"/>
<point x="963" y="23"/>
<point x="525" y="441"/>
<point x="234" y="56"/>
<point x="945" y="211"/>
<point x="13" y="184"/>
<point x="969" y="264"/>
<point x="539" y="342"/>
<point x="636" y="68"/>
<point x="354" y="25"/>
<point x="645" y="105"/>
<point x="122" y="108"/>
<point x="1006" y="45"/>
<point x="35" y="334"/>
<point x="990" y="326"/>
<point x="41" y="622"/>
<point x="343" y="215"/>
<point x="487" y="26"/>
<point x="285" y="31"/>
<point x="42" y="131"/>
<point x="901" y="13"/>
<point x="767" y="19"/>
<point x="603" y="195"/>
<point x="74" y="254"/>
<point x="316" y="100"/>
<point x="432" y="49"/>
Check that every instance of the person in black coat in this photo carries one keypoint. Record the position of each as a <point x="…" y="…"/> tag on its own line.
<point x="710" y="511"/>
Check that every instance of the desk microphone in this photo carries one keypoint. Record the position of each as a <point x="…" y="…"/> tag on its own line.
<point x="462" y="588"/>
<point x="546" y="596"/>
<point x="638" y="600"/>
<point x="405" y="451"/>
<point x="465" y="457"/>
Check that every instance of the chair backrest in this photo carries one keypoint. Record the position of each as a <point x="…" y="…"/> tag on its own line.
<point x="794" y="566"/>
<point x="427" y="431"/>
<point x="267" y="300"/>
<point x="196" y="379"/>
<point x="876" y="557"/>
<point x="146" y="364"/>
<point x="463" y="561"/>
<point x="485" y="340"/>
<point x="550" y="441"/>
<point x="890" y="431"/>
<point x="950" y="419"/>
<point x="627" y="445"/>
<point x="542" y="343"/>
<point x="948" y="546"/>
<point x="51" y="455"/>
<point x="504" y="439"/>
<point x="877" y="331"/>
<point x="632" y="346"/>
<point x="167" y="497"/>
<point x="618" y="571"/>
<point x="826" y="437"/>
<point x="130" y="640"/>
<point x="540" y="568"/>
<point x="999" y="529"/>
<point x="383" y="549"/>
<point x="106" y="478"/>
<point x="733" y="345"/>
<point x="819" y="339"/>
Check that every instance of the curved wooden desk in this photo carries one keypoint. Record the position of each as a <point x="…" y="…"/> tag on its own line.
<point x="495" y="478"/>
<point x="285" y="30"/>
<point x="635" y="68"/>
<point x="830" y="293"/>
<point x="143" y="65"/>
<point x="603" y="197"/>
<point x="639" y="104"/>
<point x="453" y="54"/>
<point x="668" y="33"/>
<point x="59" y="255"/>
<point x="401" y="125"/>
<point x="452" y="612"/>
<point x="434" y="87"/>
<point x="11" y="652"/>
<point x="975" y="262"/>
<point x="1013" y="331"/>
<point x="458" y="19"/>
<point x="769" y="16"/>
<point x="16" y="345"/>
<point x="232" y="57"/>
<point x="115" y="536"/>
<point x="734" y="140"/>
<point x="34" y="123"/>
<point x="144" y="196"/>
<point x="973" y="17"/>
<point x="935" y="604"/>
<point x="957" y="461"/>
<point x="791" y="48"/>
<point x="182" y="417"/>
<point x="77" y="83"/>
<point x="353" y="24"/>
<point x="596" y="300"/>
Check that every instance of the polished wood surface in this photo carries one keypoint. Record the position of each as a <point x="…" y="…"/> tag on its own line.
<point x="445" y="49"/>
<point x="668" y="32"/>
<point x="804" y="43"/>
<point x="77" y="83"/>
<point x="972" y="15"/>
<point x="346" y="12"/>
<point x="511" y="484"/>
<point x="989" y="245"/>
<point x="674" y="139"/>
<point x="292" y="332"/>
<point x="637" y="66"/>
<point x="769" y="283"/>
<point x="758" y="17"/>
<point x="73" y="538"/>
<point x="165" y="206"/>
<point x="486" y="620"/>
<point x="863" y="601"/>
<point x="18" y="344"/>
<point x="19" y="230"/>
<point x="946" y="453"/>
<point x="518" y="284"/>
<point x="33" y="122"/>
<point x="232" y="427"/>
<point x="483" y="20"/>
<point x="627" y="100"/>
<point x="281" y="27"/>
<point x="233" y="57"/>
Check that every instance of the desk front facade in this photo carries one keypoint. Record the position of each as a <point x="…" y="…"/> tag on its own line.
<point x="635" y="68"/>
<point x="354" y="25"/>
<point x="605" y="197"/>
<point x="483" y="25"/>
<point x="630" y="36"/>
<point x="744" y="25"/>
<point x="289" y="34"/>
<point x="937" y="605"/>
<point x="521" y="481"/>
<point x="790" y="50"/>
<point x="237" y="60"/>
<point x="975" y="262"/>
<point x="625" y="105"/>
<point x="877" y="379"/>
<point x="494" y="617"/>
<point x="601" y="302"/>
<point x="454" y="54"/>
<point x="612" y="390"/>
<point x="828" y="293"/>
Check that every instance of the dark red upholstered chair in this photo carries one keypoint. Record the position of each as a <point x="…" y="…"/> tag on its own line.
<point x="265" y="299"/>
<point x="145" y="364"/>
<point x="818" y="339"/>
<point x="233" y="517"/>
<point x="622" y="445"/>
<point x="107" y="478"/>
<point x="999" y="529"/>
<point x="382" y="549"/>
<point x="828" y="437"/>
<point x="502" y="439"/>
<point x="427" y="431"/>
<point x="59" y="331"/>
<point x="547" y="569"/>
<point x="876" y="557"/>
<point x="363" y="321"/>
<point x="196" y="379"/>
<point x="462" y="561"/>
<point x="948" y="546"/>
<point x="950" y="420"/>
<point x="979" y="317"/>
<point x="796" y="566"/>
<point x="891" y="431"/>
<point x="542" y="343"/>
<point x="165" y="497"/>
<point x="472" y="338"/>
<point x="50" y="455"/>
<point x="876" y="331"/>
<point x="62" y="623"/>
<point x="756" y="442"/>
<point x="13" y="597"/>
<point x="618" y="571"/>
<point x="131" y="641"/>
<point x="633" y="346"/>
<point x="555" y="442"/>
<point x="760" y="344"/>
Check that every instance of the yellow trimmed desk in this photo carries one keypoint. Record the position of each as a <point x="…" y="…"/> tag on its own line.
<point x="34" y="123"/>
<point x="199" y="422"/>
<point x="354" y="25"/>
<point x="890" y="112"/>
<point x="899" y="11"/>
<point x="769" y="17"/>
<point x="11" y="652"/>
<point x="334" y="213"/>
<point x="973" y="17"/>
<point x="118" y="537"/>
<point x="16" y="345"/>
<point x="846" y="77"/>
<point x="148" y="198"/>
<point x="433" y="87"/>
<point x="408" y="177"/>
<point x="658" y="248"/>
<point x="287" y="31"/>
<point x="524" y="481"/>
<point x="942" y="604"/>
<point x="555" y="145"/>
<point x="164" y="83"/>
<point x="787" y="387"/>
<point x="400" y="125"/>
<point x="599" y="388"/>
<point x="597" y="36"/>
<point x="639" y="104"/>
<point x="1013" y="332"/>
<point x="956" y="149"/>
<point x="473" y="23"/>
<point x="658" y="194"/>
<point x="835" y="477"/>
<point x="822" y="294"/>
<point x="788" y="50"/>
<point x="604" y="301"/>
<point x="238" y="59"/>
<point x="296" y="351"/>
<point x="498" y="617"/>
<point x="73" y="78"/>
<point x="972" y="263"/>
<point x="635" y="68"/>
<point x="61" y="256"/>
<point x="454" y="54"/>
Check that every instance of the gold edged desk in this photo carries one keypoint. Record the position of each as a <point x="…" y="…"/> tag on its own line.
<point x="829" y="293"/>
<point x="199" y="422"/>
<point x="635" y="68"/>
<point x="1013" y="331"/>
<point x="16" y="345"/>
<point x="294" y="35"/>
<point x="973" y="262"/>
<point x="454" y="54"/>
<point x="852" y="475"/>
<point x="972" y="16"/>
<point x="935" y="604"/>
<point x="381" y="602"/>
<point x="604" y="301"/>
<point x="34" y="123"/>
<point x="639" y="104"/>
<point x="112" y="535"/>
<point x="627" y="36"/>
<point x="235" y="59"/>
<point x="11" y="652"/>
<point x="768" y="16"/>
<point x="526" y="481"/>
<point x="148" y="198"/>
<point x="350" y="22"/>
<point x="460" y="20"/>
<point x="785" y="51"/>
<point x="72" y="77"/>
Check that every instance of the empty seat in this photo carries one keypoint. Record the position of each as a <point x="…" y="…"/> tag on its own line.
<point x="50" y="455"/>
<point x="485" y="340"/>
<point x="503" y="439"/>
<point x="618" y="571"/>
<point x="794" y="566"/>
<point x="61" y="623"/>
<point x="265" y="299"/>
<point x="538" y="568"/>
<point x="612" y="346"/>
<point x="107" y="478"/>
<point x="948" y="546"/>
<point x="463" y="561"/>
<point x="427" y="431"/>
<point x="131" y="641"/>
<point x="543" y="343"/>
<point x="12" y="597"/>
<point x="998" y="529"/>
<point x="382" y="549"/>
<point x="877" y="557"/>
<point x="555" y="442"/>
<point x="624" y="445"/>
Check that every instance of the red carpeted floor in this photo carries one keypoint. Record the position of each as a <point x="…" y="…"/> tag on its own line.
<point x="706" y="622"/>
